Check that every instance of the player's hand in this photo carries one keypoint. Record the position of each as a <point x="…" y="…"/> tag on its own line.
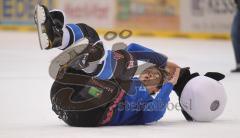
<point x="175" y="77"/>
<point x="171" y="68"/>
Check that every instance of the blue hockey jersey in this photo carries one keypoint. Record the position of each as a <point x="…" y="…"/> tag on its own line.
<point x="138" y="107"/>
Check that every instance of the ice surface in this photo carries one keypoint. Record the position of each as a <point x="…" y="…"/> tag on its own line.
<point x="25" y="109"/>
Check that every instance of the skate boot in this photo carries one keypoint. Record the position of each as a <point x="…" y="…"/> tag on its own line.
<point x="79" y="62"/>
<point x="49" y="26"/>
<point x="237" y="70"/>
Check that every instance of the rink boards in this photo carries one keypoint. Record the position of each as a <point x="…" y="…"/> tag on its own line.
<point x="172" y="18"/>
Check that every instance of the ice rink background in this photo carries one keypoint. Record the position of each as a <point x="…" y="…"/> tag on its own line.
<point x="25" y="109"/>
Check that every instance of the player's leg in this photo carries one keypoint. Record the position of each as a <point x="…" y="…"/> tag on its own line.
<point x="61" y="35"/>
<point x="67" y="97"/>
<point x="53" y="33"/>
<point x="50" y="27"/>
<point x="78" y="60"/>
<point x="56" y="33"/>
<point x="72" y="91"/>
<point x="81" y="100"/>
<point x="236" y="37"/>
<point x="77" y="32"/>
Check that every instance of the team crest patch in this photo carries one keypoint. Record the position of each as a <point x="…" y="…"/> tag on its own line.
<point x="117" y="55"/>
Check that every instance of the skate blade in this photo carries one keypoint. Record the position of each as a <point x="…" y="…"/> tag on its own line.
<point x="40" y="19"/>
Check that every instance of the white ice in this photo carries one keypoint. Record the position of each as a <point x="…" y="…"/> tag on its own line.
<point x="25" y="108"/>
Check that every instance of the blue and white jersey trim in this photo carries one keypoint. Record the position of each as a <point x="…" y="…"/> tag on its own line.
<point x="109" y="67"/>
<point x="77" y="32"/>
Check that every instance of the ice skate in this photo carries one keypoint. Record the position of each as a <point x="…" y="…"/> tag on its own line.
<point x="73" y="57"/>
<point x="49" y="26"/>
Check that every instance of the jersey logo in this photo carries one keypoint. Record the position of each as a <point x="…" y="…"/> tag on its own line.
<point x="117" y="55"/>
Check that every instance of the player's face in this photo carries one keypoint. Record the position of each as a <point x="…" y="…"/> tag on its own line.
<point x="150" y="80"/>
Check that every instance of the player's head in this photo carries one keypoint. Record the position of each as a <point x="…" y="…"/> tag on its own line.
<point x="203" y="99"/>
<point x="153" y="77"/>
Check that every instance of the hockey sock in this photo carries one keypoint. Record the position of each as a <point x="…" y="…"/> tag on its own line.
<point x="71" y="34"/>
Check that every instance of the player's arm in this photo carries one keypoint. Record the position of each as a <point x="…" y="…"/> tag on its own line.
<point x="148" y="55"/>
<point x="155" y="110"/>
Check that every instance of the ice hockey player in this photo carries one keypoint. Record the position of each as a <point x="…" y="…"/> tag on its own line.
<point x="92" y="98"/>
<point x="108" y="94"/>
